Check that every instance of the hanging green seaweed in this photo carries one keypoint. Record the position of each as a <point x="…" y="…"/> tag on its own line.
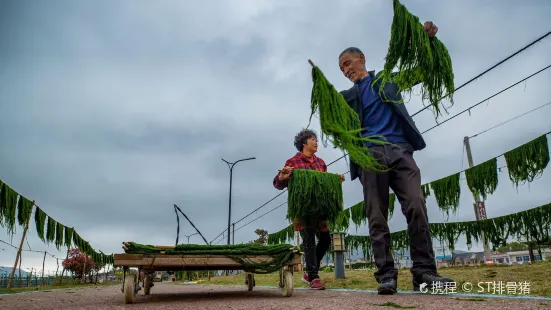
<point x="8" y="207"/>
<point x="527" y="162"/>
<point x="50" y="232"/>
<point x="341" y="123"/>
<point x="419" y="59"/>
<point x="391" y="202"/>
<point x="482" y="179"/>
<point x="77" y="241"/>
<point x="59" y="235"/>
<point x="40" y="221"/>
<point x="24" y="210"/>
<point x="342" y="222"/>
<point x="1" y="208"/>
<point x="447" y="192"/>
<point x="532" y="224"/>
<point x="68" y="236"/>
<point x="314" y="196"/>
<point x="399" y="240"/>
<point x="426" y="190"/>
<point x="356" y="243"/>
<point x="282" y="236"/>
<point x="358" y="214"/>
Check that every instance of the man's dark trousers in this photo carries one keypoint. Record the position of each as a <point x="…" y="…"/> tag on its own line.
<point x="405" y="180"/>
<point x="314" y="253"/>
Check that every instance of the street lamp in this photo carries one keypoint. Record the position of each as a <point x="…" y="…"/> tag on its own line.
<point x="190" y="236"/>
<point x="338" y="248"/>
<point x="230" y="165"/>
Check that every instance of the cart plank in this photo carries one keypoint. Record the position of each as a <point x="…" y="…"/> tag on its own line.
<point x="188" y="261"/>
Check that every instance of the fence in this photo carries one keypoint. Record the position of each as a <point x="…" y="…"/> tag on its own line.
<point x="26" y="281"/>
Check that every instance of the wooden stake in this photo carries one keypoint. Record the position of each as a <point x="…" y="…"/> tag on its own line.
<point x="20" y="247"/>
<point x="311" y="63"/>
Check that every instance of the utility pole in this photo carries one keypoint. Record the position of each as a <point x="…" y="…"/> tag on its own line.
<point x="479" y="206"/>
<point x="233" y="233"/>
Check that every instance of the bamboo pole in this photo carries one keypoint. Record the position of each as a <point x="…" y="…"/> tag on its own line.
<point x="20" y="264"/>
<point x="66" y="257"/>
<point x="20" y="247"/>
<point x="43" y="263"/>
<point x="83" y="279"/>
<point x="349" y="257"/>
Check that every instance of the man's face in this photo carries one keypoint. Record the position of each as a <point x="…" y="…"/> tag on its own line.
<point x="312" y="144"/>
<point x="352" y="66"/>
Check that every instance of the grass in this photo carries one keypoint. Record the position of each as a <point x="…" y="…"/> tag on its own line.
<point x="473" y="299"/>
<point x="536" y="275"/>
<point x="51" y="287"/>
<point x="391" y="304"/>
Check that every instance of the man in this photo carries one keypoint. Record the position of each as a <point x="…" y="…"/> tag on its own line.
<point x="306" y="143"/>
<point x="392" y="121"/>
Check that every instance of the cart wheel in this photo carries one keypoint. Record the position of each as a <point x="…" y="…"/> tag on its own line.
<point x="287" y="285"/>
<point x="129" y="289"/>
<point x="249" y="280"/>
<point x="147" y="284"/>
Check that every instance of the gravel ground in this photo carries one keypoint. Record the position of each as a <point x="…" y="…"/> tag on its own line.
<point x="179" y="296"/>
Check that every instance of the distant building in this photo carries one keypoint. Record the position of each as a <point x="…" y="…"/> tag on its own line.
<point x="462" y="258"/>
<point x="523" y="257"/>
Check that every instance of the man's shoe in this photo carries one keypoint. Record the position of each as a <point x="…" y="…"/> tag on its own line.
<point x="431" y="280"/>
<point x="305" y="278"/>
<point x="387" y="287"/>
<point x="316" y="284"/>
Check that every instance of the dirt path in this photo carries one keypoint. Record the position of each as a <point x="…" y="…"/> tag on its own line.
<point x="179" y="296"/>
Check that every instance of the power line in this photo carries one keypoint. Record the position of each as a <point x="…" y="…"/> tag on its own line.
<point x="490" y="69"/>
<point x="42" y="252"/>
<point x="263" y="205"/>
<point x="481" y="102"/>
<point x="499" y="168"/>
<point x="459" y="87"/>
<point x="511" y="119"/>
<point x="437" y="125"/>
<point x="549" y="132"/>
<point x="462" y="170"/>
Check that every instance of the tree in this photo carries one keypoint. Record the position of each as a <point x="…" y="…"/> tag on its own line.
<point x="262" y="236"/>
<point x="75" y="263"/>
<point x="513" y="246"/>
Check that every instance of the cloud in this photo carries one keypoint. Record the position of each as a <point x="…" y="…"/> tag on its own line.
<point x="113" y="113"/>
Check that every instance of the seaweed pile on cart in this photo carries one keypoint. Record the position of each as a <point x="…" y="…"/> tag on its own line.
<point x="280" y="254"/>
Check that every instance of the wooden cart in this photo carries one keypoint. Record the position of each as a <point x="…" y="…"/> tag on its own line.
<point x="149" y="263"/>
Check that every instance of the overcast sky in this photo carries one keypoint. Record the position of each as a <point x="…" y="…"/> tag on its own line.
<point x="112" y="111"/>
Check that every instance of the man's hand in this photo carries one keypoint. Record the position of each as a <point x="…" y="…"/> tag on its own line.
<point x="285" y="173"/>
<point x="431" y="29"/>
<point x="342" y="177"/>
